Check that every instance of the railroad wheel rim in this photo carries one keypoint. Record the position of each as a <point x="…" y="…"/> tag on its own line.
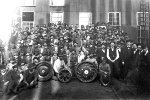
<point x="64" y="76"/>
<point x="45" y="71"/>
<point x="86" y="72"/>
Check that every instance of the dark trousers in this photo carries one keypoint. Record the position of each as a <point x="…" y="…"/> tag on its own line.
<point x="125" y="68"/>
<point x="115" y="70"/>
<point x="11" y="87"/>
<point x="72" y="67"/>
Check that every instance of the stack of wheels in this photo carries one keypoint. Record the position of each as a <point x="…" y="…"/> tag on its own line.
<point x="86" y="71"/>
<point x="45" y="71"/>
<point x="105" y="79"/>
<point x="64" y="75"/>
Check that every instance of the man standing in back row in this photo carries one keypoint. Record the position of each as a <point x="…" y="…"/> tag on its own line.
<point x="113" y="56"/>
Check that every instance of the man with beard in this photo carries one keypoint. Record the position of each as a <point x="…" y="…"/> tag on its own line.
<point x="126" y="59"/>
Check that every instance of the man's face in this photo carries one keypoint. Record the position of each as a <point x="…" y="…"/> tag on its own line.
<point x="73" y="52"/>
<point x="15" y="69"/>
<point x="139" y="47"/>
<point x="134" y="46"/>
<point x="55" y="55"/>
<point x="103" y="46"/>
<point x="25" y="33"/>
<point x="128" y="44"/>
<point x="104" y="61"/>
<point x="145" y="49"/>
<point x="61" y="58"/>
<point x="112" y="44"/>
<point x="35" y="61"/>
<point x="27" y="29"/>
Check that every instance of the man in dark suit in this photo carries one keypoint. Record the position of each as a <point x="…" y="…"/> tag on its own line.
<point x="126" y="59"/>
<point x="144" y="72"/>
<point x="101" y="52"/>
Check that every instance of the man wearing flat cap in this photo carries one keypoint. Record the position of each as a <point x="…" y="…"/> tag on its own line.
<point x="31" y="75"/>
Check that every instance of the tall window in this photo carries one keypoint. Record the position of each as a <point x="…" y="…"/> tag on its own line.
<point x="114" y="18"/>
<point x="27" y="20"/>
<point x="56" y="2"/>
<point x="141" y="18"/>
<point x="55" y="17"/>
<point x="27" y="2"/>
<point x="85" y="18"/>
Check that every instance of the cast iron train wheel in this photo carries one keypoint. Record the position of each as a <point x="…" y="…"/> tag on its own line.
<point x="86" y="71"/>
<point x="45" y="71"/>
<point x="64" y="75"/>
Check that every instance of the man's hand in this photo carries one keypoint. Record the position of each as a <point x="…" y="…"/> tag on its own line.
<point x="6" y="83"/>
<point x="26" y="83"/>
<point x="31" y="83"/>
<point x="113" y="60"/>
<point x="105" y="72"/>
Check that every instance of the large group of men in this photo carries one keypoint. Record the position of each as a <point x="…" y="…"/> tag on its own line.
<point x="106" y="46"/>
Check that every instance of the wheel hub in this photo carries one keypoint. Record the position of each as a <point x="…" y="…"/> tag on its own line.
<point x="86" y="72"/>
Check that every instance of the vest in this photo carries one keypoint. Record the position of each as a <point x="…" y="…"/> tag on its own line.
<point x="112" y="54"/>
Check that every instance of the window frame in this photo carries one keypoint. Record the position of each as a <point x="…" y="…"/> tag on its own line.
<point x="137" y="16"/>
<point x="57" y="17"/>
<point x="113" y="19"/>
<point x="34" y="4"/>
<point x="86" y="17"/>
<point x="56" y="5"/>
<point x="27" y="21"/>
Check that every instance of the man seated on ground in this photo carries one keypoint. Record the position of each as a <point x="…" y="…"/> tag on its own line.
<point x="23" y="67"/>
<point x="31" y="77"/>
<point x="59" y="64"/>
<point x="12" y="79"/>
<point x="104" y="70"/>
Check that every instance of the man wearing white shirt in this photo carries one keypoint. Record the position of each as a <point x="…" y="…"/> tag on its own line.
<point x="113" y="56"/>
<point x="58" y="64"/>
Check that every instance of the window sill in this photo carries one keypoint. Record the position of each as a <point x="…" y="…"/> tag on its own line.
<point x="56" y="6"/>
<point x="27" y="6"/>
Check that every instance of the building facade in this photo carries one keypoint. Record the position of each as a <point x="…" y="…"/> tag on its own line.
<point x="118" y="12"/>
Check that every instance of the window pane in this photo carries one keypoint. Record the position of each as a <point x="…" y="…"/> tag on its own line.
<point x="110" y="14"/>
<point x="117" y="14"/>
<point x="85" y="18"/>
<point x="110" y="19"/>
<point x="27" y="24"/>
<point x="114" y="18"/>
<point x="27" y="16"/>
<point x="27" y="2"/>
<point x="55" y="17"/>
<point x="142" y="18"/>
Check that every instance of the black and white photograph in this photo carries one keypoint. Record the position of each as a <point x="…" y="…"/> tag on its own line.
<point x="75" y="50"/>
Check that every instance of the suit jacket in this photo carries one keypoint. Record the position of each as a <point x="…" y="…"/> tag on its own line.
<point x="100" y="53"/>
<point x="145" y="61"/>
<point x="126" y="54"/>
